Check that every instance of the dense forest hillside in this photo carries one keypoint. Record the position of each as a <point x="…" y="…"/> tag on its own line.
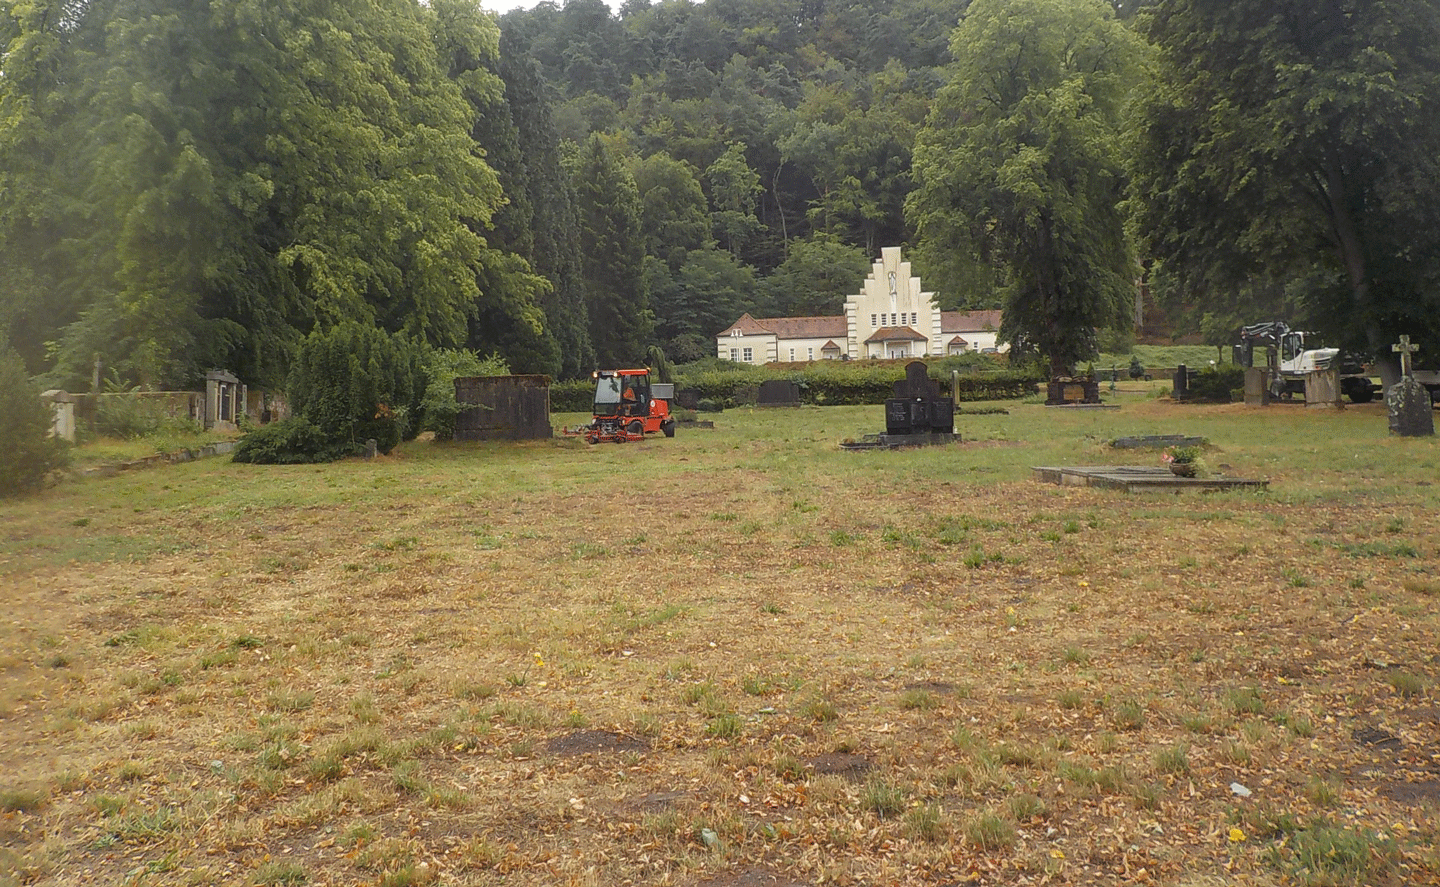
<point x="186" y="186"/>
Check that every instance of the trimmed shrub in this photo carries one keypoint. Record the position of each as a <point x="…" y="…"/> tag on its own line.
<point x="289" y="442"/>
<point x="1214" y="384"/>
<point x="349" y="384"/>
<point x="572" y="396"/>
<point x="28" y="454"/>
<point x="723" y="384"/>
<point x="356" y="382"/>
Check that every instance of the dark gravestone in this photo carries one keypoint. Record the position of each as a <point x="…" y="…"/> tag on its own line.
<point x="778" y="393"/>
<point x="917" y="407"/>
<point x="1182" y="382"/>
<point x="688" y="398"/>
<point x="1072" y="391"/>
<point x="503" y="408"/>
<point x="1410" y="412"/>
<point x="1409" y="401"/>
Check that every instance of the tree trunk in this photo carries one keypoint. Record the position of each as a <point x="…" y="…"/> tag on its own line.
<point x="1351" y="251"/>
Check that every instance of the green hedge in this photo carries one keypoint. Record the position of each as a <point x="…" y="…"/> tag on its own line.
<point x="827" y="382"/>
<point x="1214" y="384"/>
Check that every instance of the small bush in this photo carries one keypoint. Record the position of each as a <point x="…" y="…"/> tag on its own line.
<point x="349" y="384"/>
<point x="355" y="382"/>
<point x="442" y="367"/>
<point x="126" y="415"/>
<point x="30" y="453"/>
<point x="289" y="442"/>
<point x="1214" y="384"/>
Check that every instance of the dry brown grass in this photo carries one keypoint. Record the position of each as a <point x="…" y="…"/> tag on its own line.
<point x="735" y="657"/>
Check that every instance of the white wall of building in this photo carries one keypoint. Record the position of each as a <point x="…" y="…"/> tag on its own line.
<point x="892" y="297"/>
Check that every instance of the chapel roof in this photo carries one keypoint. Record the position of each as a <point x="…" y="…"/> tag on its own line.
<point x="896" y="334"/>
<point x="969" y="321"/>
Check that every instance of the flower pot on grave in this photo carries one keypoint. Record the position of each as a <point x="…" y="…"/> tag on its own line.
<point x="1182" y="469"/>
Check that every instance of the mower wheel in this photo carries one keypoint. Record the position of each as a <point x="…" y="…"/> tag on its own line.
<point x="635" y="427"/>
<point x="668" y="428"/>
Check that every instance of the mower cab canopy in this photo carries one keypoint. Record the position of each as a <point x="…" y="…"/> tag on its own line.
<point x="622" y="393"/>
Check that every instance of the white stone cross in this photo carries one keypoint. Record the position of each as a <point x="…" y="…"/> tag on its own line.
<point x="1405" y="349"/>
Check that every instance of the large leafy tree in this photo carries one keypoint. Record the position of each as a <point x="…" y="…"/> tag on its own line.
<point x="221" y="178"/>
<point x="613" y="250"/>
<point x="816" y="278"/>
<point x="1295" y="147"/>
<point x="1019" y="163"/>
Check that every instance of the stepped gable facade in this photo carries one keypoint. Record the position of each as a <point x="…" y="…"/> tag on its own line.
<point x="891" y="317"/>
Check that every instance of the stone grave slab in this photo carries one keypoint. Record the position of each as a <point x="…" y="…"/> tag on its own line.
<point x="1156" y="441"/>
<point x="1082" y="406"/>
<point x="1137" y="478"/>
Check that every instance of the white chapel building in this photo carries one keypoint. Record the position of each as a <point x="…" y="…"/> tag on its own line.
<point x="891" y="317"/>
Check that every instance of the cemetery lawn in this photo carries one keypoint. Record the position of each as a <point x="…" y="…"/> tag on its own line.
<point x="740" y="656"/>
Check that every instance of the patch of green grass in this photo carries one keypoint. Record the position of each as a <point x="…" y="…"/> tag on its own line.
<point x="926" y="823"/>
<point x="766" y="685"/>
<point x="1025" y="807"/>
<point x="1174" y="760"/>
<point x="892" y="535"/>
<point x="1128" y="715"/>
<point x="978" y="557"/>
<point x="1426" y="587"/>
<point x="725" y="726"/>
<point x="882" y="797"/>
<point x="1323" y="791"/>
<point x="1295" y="579"/>
<point x="1017" y="754"/>
<point x="291" y="700"/>
<point x="819" y="709"/>
<point x="1372" y="549"/>
<point x="1198" y="723"/>
<point x="1245" y="701"/>
<point x="1406" y="683"/>
<point x="1070" y="699"/>
<point x="1298" y="724"/>
<point x="989" y="831"/>
<point x="1076" y="656"/>
<point x="788" y="767"/>
<point x="1324" y="854"/>
<point x="276" y="873"/>
<point x="472" y="690"/>
<point x="20" y="801"/>
<point x="919" y="700"/>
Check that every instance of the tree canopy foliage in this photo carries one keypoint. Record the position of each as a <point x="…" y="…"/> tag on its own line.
<point x="1291" y="157"/>
<point x="194" y="185"/>
<point x="1020" y="162"/>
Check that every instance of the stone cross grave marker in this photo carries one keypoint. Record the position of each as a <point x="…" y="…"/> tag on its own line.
<point x="1409" y="402"/>
<point x="1405" y="349"/>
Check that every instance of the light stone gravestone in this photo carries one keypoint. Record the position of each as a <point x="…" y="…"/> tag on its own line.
<point x="1257" y="387"/>
<point x="1411" y="414"/>
<point x="62" y="405"/>
<point x="1322" y="389"/>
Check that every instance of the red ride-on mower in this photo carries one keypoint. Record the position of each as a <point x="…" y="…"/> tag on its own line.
<point x="626" y="409"/>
